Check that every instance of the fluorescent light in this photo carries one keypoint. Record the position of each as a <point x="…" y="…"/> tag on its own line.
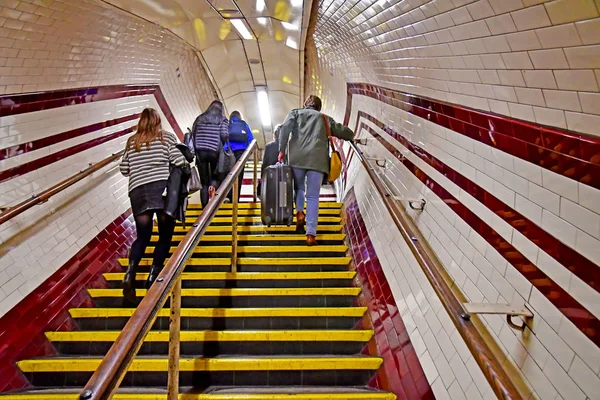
<point x="291" y="43"/>
<point x="239" y="25"/>
<point x="262" y="20"/>
<point x="297" y="3"/>
<point x="289" y="27"/>
<point x="260" y="5"/>
<point x="263" y="106"/>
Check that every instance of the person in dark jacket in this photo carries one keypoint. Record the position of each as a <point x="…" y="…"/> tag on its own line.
<point x="308" y="156"/>
<point x="211" y="131"/>
<point x="240" y="137"/>
<point x="149" y="153"/>
<point x="271" y="150"/>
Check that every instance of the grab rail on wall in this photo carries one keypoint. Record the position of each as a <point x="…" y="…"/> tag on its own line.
<point x="432" y="267"/>
<point x="111" y="371"/>
<point x="43" y="197"/>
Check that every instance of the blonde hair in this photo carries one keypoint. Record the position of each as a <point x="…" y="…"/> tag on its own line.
<point x="149" y="129"/>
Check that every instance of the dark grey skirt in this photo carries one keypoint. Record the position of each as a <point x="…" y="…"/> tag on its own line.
<point x="148" y="197"/>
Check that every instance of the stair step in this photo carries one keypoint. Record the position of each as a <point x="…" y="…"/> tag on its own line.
<point x="245" y="212"/>
<point x="257" y="220"/>
<point x="261" y="238"/>
<point x="225" y="206"/>
<point x="227" y="318"/>
<point x="245" y="297"/>
<point x="291" y="393"/>
<point x="146" y="371"/>
<point x="272" y="251"/>
<point x="255" y="229"/>
<point x="219" y="343"/>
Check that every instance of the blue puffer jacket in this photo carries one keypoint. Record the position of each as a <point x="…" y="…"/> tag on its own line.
<point x="237" y="125"/>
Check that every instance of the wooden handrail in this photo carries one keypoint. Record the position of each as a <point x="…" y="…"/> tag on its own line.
<point x="431" y="266"/>
<point x="42" y="197"/>
<point x="107" y="378"/>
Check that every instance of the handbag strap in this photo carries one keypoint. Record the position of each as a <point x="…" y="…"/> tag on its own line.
<point x="328" y="130"/>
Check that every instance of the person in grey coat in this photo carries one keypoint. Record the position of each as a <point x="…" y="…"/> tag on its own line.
<point x="305" y="133"/>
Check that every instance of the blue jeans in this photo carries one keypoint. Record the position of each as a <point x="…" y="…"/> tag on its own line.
<point x="308" y="185"/>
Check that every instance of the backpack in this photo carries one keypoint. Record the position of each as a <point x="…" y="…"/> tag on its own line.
<point x="237" y="131"/>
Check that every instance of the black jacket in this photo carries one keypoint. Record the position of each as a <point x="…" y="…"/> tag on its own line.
<point x="177" y="188"/>
<point x="270" y="155"/>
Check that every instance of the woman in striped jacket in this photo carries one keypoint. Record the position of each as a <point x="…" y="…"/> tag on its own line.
<point x="148" y="154"/>
<point x="211" y="131"/>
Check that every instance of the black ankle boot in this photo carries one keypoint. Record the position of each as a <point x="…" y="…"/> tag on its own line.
<point x="129" y="282"/>
<point x="154" y="271"/>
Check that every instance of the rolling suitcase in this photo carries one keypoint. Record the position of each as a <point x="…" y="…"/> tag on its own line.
<point x="277" y="195"/>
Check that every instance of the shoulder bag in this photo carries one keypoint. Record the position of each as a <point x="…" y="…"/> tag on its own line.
<point x="335" y="161"/>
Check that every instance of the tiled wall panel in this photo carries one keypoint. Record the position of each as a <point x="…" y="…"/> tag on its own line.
<point x="47" y="47"/>
<point x="509" y="226"/>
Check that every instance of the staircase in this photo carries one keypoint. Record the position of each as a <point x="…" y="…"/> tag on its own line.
<point x="282" y="327"/>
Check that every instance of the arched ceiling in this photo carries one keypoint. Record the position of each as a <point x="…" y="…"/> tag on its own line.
<point x="271" y="55"/>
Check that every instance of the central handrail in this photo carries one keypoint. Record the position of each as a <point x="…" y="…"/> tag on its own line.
<point x="115" y="364"/>
<point x="490" y="365"/>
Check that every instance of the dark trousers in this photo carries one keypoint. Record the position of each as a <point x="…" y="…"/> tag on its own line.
<point x="207" y="164"/>
<point x="143" y="227"/>
<point x="238" y="155"/>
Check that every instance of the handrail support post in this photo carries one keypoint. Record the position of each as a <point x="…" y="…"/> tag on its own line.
<point x="174" y="342"/>
<point x="255" y="180"/>
<point x="234" y="225"/>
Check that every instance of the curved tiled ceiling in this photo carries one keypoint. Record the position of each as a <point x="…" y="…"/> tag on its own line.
<point x="272" y="55"/>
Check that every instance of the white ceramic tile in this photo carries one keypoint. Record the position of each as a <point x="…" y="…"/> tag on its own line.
<point x="544" y="198"/>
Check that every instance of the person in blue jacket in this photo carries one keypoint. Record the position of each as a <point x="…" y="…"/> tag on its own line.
<point x="240" y="137"/>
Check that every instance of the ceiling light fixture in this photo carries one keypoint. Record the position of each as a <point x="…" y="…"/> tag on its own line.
<point x="291" y="43"/>
<point x="262" y="20"/>
<point x="242" y="29"/>
<point x="263" y="105"/>
<point x="297" y="3"/>
<point x="260" y="5"/>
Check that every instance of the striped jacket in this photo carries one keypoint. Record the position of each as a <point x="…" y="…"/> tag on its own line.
<point x="151" y="164"/>
<point x="208" y="137"/>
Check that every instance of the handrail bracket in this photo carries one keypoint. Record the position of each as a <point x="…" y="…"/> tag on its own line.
<point x="510" y="310"/>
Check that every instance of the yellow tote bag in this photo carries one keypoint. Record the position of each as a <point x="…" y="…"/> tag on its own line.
<point x="335" y="161"/>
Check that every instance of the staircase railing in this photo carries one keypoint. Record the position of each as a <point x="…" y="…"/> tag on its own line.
<point x="111" y="371"/>
<point x="43" y="197"/>
<point x="492" y="368"/>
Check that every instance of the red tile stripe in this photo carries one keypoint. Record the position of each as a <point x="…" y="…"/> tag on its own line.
<point x="25" y="168"/>
<point x="401" y="372"/>
<point x="573" y="310"/>
<point x="583" y="268"/>
<point x="574" y="155"/>
<point x="15" y="104"/>
<point x="23" y="148"/>
<point x="46" y="308"/>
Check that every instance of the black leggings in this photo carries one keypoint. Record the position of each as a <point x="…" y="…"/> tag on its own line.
<point x="207" y="164"/>
<point x="143" y="227"/>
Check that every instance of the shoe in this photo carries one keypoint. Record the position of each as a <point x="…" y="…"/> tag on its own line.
<point x="300" y="222"/>
<point x="154" y="271"/>
<point x="311" y="240"/>
<point x="129" y="283"/>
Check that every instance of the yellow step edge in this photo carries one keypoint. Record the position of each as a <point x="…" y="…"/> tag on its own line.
<point x="331" y="220"/>
<point x="266" y="312"/>
<point x="207" y="364"/>
<point x="256" y="228"/>
<point x="250" y="205"/>
<point x="214" y="396"/>
<point x="246" y="276"/>
<point x="259" y="238"/>
<point x="256" y="212"/>
<point x="265" y="249"/>
<point x="254" y="261"/>
<point x="240" y="292"/>
<point x="222" y="336"/>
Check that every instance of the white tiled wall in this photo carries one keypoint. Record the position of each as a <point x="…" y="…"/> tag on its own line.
<point x="48" y="45"/>
<point x="536" y="60"/>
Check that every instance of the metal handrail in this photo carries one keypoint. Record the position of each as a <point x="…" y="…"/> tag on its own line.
<point x="107" y="378"/>
<point x="42" y="197"/>
<point x="492" y="368"/>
